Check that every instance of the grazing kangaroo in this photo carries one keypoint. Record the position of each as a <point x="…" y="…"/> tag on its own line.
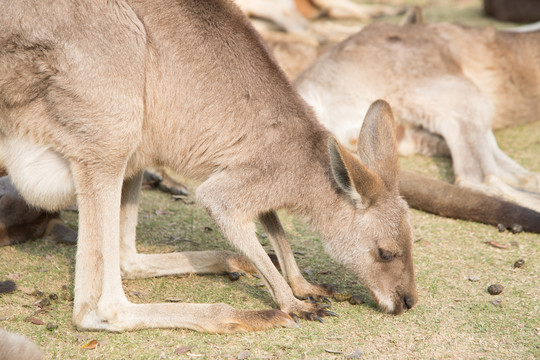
<point x="93" y="92"/>
<point x="449" y="86"/>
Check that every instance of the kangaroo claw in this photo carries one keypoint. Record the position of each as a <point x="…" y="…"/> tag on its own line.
<point x="330" y="313"/>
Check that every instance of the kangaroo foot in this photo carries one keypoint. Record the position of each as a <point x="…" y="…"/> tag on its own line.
<point x="312" y="311"/>
<point x="169" y="185"/>
<point x="259" y="320"/>
<point x="239" y="264"/>
<point x="161" y="180"/>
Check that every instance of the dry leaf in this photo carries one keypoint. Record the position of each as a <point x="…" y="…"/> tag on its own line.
<point x="173" y="300"/>
<point x="182" y="350"/>
<point x="25" y="290"/>
<point x="497" y="245"/>
<point x="34" y="321"/>
<point x="333" y="351"/>
<point x="91" y="345"/>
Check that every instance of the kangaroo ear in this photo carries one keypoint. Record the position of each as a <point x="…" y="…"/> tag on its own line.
<point x="377" y="143"/>
<point x="361" y="184"/>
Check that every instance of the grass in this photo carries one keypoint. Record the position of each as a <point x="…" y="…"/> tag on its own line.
<point x="455" y="318"/>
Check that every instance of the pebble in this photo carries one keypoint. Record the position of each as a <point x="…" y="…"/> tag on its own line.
<point x="234" y="276"/>
<point x="356" y="299"/>
<point x="495" y="289"/>
<point x="356" y="354"/>
<point x="243" y="355"/>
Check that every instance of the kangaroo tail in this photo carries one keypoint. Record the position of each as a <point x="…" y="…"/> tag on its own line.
<point x="440" y="198"/>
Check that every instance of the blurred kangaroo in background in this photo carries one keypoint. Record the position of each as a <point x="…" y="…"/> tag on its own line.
<point x="292" y="15"/>
<point x="449" y="86"/>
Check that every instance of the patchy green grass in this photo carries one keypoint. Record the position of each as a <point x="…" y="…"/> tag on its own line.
<point x="455" y="317"/>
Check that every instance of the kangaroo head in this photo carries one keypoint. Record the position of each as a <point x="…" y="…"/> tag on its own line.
<point x="377" y="243"/>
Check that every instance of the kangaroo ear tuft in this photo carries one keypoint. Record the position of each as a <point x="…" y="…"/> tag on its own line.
<point x="362" y="185"/>
<point x="377" y="145"/>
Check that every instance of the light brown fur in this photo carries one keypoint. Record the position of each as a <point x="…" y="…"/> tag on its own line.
<point x="188" y="85"/>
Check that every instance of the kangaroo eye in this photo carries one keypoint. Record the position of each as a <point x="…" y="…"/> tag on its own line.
<point x="385" y="255"/>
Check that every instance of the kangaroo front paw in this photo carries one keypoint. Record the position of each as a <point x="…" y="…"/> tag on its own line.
<point x="304" y="290"/>
<point x="310" y="311"/>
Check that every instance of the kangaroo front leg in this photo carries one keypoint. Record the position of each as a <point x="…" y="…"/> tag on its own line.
<point x="136" y="265"/>
<point x="240" y="231"/>
<point x="300" y="286"/>
<point x="98" y="287"/>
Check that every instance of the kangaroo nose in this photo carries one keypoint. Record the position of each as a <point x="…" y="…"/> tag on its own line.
<point x="408" y="302"/>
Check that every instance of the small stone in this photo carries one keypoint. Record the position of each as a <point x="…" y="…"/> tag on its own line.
<point x="243" y="355"/>
<point x="7" y="286"/>
<point x="516" y="229"/>
<point x="474" y="278"/>
<point x="234" y="276"/>
<point x="51" y="326"/>
<point x="495" y="289"/>
<point x="43" y="303"/>
<point x="501" y="227"/>
<point x="356" y="299"/>
<point x="519" y="264"/>
<point x="356" y="354"/>
<point x="497" y="302"/>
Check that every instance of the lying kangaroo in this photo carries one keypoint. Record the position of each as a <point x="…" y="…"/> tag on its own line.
<point x="449" y="85"/>
<point x="92" y="93"/>
<point x="292" y="15"/>
<point x="20" y="222"/>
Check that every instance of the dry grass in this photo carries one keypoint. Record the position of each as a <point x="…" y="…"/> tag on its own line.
<point x="455" y="318"/>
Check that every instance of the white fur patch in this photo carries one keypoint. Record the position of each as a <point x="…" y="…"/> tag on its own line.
<point x="41" y="175"/>
<point x="385" y="303"/>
